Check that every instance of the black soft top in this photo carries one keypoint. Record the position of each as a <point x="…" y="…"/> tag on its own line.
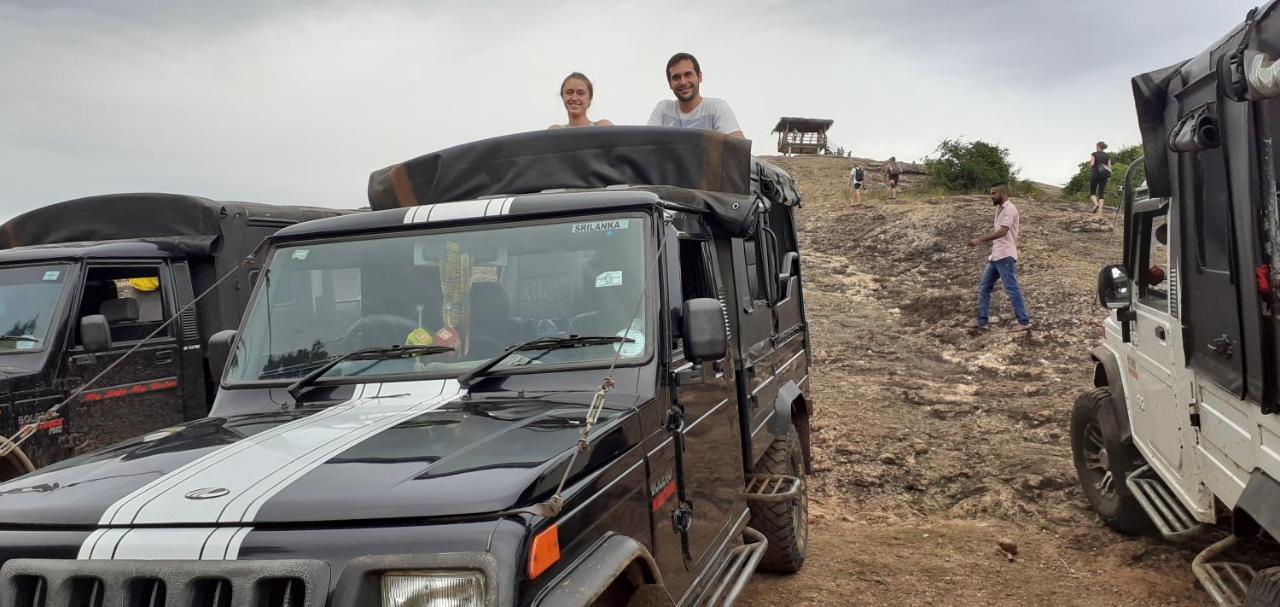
<point x="1155" y="93"/>
<point x="189" y="222"/>
<point x="704" y="170"/>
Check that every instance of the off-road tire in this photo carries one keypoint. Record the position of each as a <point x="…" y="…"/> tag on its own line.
<point x="1118" y="509"/>
<point x="785" y="523"/>
<point x="1264" y="591"/>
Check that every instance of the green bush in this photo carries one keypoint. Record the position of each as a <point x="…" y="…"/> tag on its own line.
<point x="967" y="167"/>
<point x="1078" y="187"/>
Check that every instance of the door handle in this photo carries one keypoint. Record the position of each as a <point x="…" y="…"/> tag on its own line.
<point x="1160" y="334"/>
<point x="1221" y="345"/>
<point x="164" y="356"/>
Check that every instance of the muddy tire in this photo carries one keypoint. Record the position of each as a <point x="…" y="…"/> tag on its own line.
<point x="1102" y="463"/>
<point x="1264" y="591"/>
<point x="785" y="524"/>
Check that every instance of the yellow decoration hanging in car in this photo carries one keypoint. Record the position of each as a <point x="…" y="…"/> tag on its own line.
<point x="146" y="283"/>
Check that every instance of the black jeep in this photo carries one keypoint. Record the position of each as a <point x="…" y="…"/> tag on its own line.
<point x="557" y="368"/>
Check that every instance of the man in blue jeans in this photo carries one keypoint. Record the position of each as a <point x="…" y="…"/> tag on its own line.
<point x="1002" y="264"/>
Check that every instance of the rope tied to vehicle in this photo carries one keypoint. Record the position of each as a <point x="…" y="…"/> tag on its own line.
<point x="29" y="429"/>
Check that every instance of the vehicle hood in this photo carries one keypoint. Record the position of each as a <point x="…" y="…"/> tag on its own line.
<point x="405" y="450"/>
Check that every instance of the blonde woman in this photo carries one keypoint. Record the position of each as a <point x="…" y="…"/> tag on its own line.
<point x="576" y="93"/>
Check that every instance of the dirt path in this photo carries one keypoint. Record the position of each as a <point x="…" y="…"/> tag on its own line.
<point x="933" y="442"/>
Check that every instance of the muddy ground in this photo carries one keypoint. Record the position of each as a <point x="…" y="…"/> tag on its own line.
<point x="934" y="442"/>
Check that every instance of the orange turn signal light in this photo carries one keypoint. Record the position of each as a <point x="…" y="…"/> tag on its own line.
<point x="545" y="551"/>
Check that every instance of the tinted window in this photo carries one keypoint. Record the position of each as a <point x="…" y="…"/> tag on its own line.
<point x="1213" y="210"/>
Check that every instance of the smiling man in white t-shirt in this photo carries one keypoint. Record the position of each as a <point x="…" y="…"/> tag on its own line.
<point x="690" y="109"/>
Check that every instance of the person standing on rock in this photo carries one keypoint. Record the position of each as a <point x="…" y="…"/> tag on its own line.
<point x="1003" y="261"/>
<point x="690" y="109"/>
<point x="855" y="182"/>
<point x="1099" y="173"/>
<point x="892" y="172"/>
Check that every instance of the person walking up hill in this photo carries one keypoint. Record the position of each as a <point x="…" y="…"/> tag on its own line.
<point x="1099" y="173"/>
<point x="893" y="172"/>
<point x="855" y="182"/>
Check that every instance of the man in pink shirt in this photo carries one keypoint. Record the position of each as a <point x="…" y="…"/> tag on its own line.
<point x="1002" y="264"/>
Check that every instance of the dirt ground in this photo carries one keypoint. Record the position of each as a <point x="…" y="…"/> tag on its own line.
<point x="934" y="442"/>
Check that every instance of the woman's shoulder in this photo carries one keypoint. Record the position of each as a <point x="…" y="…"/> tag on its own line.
<point x="603" y="123"/>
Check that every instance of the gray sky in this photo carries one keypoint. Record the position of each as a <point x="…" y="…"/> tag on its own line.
<point x="296" y="102"/>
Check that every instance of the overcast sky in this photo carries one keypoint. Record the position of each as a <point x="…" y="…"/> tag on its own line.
<point x="296" y="102"/>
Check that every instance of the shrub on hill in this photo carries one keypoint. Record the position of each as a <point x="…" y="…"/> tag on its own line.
<point x="971" y="167"/>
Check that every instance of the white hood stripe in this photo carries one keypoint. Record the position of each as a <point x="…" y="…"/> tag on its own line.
<point x="252" y="471"/>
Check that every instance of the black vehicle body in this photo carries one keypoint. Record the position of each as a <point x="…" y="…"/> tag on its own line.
<point x="185" y="243"/>
<point x="451" y="478"/>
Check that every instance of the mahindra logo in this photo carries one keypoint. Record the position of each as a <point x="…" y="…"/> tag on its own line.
<point x="207" y="493"/>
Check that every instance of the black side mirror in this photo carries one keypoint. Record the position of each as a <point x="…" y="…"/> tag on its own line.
<point x="705" y="335"/>
<point x="219" y="351"/>
<point x="1114" y="287"/>
<point x="95" y="333"/>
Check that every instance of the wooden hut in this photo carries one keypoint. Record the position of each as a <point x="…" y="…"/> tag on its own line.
<point x="803" y="135"/>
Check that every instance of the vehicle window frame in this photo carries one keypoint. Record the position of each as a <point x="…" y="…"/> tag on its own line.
<point x="652" y="224"/>
<point x="708" y="261"/>
<point x="66" y="299"/>
<point x="167" y="307"/>
<point x="1146" y="235"/>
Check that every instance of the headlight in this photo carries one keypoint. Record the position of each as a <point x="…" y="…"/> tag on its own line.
<point x="433" y="589"/>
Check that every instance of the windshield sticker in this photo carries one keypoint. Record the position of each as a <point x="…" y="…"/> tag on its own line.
<point x="301" y="254"/>
<point x="609" y="279"/>
<point x="52" y="274"/>
<point x="635" y="347"/>
<point x="24" y="345"/>
<point x="601" y="226"/>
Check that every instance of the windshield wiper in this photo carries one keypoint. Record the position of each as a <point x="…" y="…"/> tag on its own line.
<point x="17" y="338"/>
<point x="541" y="343"/>
<point x="304" y="382"/>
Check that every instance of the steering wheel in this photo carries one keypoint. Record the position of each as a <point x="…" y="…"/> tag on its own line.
<point x="377" y="331"/>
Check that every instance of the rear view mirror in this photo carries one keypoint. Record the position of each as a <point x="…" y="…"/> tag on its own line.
<point x="790" y="263"/>
<point x="219" y="351"/>
<point x="1114" y="287"/>
<point x="705" y="335"/>
<point x="95" y="333"/>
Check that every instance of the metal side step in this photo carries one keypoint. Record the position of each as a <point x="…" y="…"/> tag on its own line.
<point x="1226" y="582"/>
<point x="1173" y="519"/>
<point x="771" y="488"/>
<point x="736" y="571"/>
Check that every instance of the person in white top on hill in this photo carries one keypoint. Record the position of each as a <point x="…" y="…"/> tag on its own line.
<point x="690" y="109"/>
<point x="855" y="182"/>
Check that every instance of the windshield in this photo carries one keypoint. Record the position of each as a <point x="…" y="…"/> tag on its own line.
<point x="29" y="299"/>
<point x="479" y="291"/>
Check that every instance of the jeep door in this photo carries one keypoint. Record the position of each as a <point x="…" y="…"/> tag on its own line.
<point x="712" y="449"/>
<point x="1159" y="416"/>
<point x="142" y="392"/>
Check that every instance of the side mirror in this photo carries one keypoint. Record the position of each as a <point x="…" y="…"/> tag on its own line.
<point x="705" y="334"/>
<point x="219" y="351"/>
<point x="1114" y="287"/>
<point x="95" y="333"/>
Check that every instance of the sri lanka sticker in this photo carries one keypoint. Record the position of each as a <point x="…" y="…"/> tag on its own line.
<point x="609" y="279"/>
<point x="609" y="225"/>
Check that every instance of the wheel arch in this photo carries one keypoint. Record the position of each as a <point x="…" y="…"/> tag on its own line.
<point x="1106" y="374"/>
<point x="613" y="558"/>
<point x="791" y="409"/>
<point x="1256" y="509"/>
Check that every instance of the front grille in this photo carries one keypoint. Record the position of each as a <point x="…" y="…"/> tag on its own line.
<point x="70" y="583"/>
